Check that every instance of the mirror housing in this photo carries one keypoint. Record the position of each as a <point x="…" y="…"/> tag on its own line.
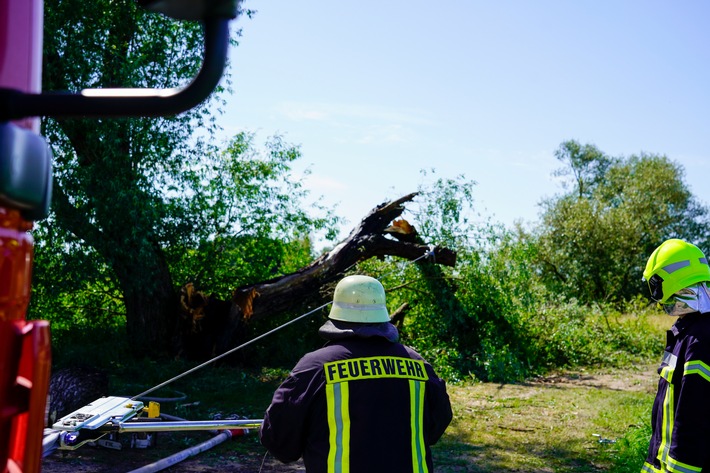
<point x="25" y="172"/>
<point x="193" y="9"/>
<point x="98" y="103"/>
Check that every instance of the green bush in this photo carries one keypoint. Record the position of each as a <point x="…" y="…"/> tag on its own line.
<point x="566" y="334"/>
<point x="490" y="318"/>
<point x="632" y="448"/>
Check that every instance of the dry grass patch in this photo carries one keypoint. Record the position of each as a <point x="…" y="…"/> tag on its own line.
<point x="561" y="423"/>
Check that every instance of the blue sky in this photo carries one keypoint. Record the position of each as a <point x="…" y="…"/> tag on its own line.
<point x="375" y="91"/>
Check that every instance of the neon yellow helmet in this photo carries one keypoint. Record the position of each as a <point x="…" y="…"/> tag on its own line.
<point x="359" y="299"/>
<point x="675" y="265"/>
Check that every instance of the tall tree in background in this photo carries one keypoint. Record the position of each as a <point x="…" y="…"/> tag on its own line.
<point x="593" y="240"/>
<point x="132" y="195"/>
<point x="586" y="165"/>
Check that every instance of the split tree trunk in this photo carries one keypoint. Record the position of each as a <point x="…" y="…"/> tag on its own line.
<point x="371" y="238"/>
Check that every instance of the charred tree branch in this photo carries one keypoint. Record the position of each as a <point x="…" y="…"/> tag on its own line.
<point x="378" y="235"/>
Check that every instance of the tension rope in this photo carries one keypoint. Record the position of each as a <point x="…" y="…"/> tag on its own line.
<point x="266" y="334"/>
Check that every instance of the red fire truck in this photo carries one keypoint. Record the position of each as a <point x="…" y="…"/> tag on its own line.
<point x="26" y="185"/>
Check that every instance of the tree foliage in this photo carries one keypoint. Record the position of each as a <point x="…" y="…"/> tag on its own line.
<point x="585" y="164"/>
<point x="108" y="173"/>
<point x="236" y="218"/>
<point x="462" y="318"/>
<point x="243" y="217"/>
<point x="141" y="205"/>
<point x="593" y="241"/>
<point x="496" y="316"/>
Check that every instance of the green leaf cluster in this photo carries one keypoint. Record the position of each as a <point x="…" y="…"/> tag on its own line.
<point x="237" y="217"/>
<point x="240" y="217"/>
<point x="505" y="311"/>
<point x="142" y="206"/>
<point x="593" y="240"/>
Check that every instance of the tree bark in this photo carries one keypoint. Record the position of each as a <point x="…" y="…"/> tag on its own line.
<point x="151" y="303"/>
<point x="206" y="330"/>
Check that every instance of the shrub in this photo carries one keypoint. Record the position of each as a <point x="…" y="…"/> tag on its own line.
<point x="566" y="333"/>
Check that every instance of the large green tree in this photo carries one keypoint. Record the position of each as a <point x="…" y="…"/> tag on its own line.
<point x="593" y="240"/>
<point x="135" y="198"/>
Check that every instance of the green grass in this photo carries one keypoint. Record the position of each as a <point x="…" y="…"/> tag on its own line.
<point x="542" y="426"/>
<point x="546" y="424"/>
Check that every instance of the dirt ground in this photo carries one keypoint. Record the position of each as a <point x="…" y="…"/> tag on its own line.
<point x="239" y="454"/>
<point x="245" y="454"/>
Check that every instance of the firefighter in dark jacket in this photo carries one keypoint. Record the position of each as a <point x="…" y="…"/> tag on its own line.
<point x="677" y="274"/>
<point x="363" y="403"/>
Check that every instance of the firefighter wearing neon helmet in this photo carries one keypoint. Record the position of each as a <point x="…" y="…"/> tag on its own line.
<point x="363" y="402"/>
<point x="677" y="274"/>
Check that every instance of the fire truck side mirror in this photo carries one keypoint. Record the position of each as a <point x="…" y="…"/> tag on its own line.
<point x="25" y="172"/>
<point x="98" y="103"/>
<point x="193" y="9"/>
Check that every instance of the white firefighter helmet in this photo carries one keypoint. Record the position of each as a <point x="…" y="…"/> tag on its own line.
<point x="359" y="299"/>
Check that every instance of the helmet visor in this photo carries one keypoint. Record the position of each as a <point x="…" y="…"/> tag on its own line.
<point x="690" y="299"/>
<point x="655" y="285"/>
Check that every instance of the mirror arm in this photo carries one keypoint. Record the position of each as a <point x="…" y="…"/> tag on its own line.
<point x="135" y="102"/>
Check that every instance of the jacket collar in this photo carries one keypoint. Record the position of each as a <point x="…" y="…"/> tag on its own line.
<point x="338" y="330"/>
<point x="684" y="322"/>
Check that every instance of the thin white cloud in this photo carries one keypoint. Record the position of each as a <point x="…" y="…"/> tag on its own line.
<point x="303" y="112"/>
<point x="324" y="184"/>
<point x="359" y="124"/>
<point x="387" y="134"/>
<point x="347" y="112"/>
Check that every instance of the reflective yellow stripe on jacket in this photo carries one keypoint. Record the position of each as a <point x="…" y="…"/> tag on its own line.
<point x="340" y="373"/>
<point x="678" y="467"/>
<point x="648" y="468"/>
<point x="667" y="422"/>
<point x="416" y="399"/>
<point x="668" y="463"/>
<point x="339" y="427"/>
<point x="697" y="367"/>
<point x="672" y="465"/>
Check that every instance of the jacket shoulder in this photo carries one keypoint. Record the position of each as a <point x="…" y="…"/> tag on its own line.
<point x="316" y="358"/>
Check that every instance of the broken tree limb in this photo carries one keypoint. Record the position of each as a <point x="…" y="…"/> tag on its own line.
<point x="372" y="237"/>
<point x="365" y="241"/>
<point x="397" y="317"/>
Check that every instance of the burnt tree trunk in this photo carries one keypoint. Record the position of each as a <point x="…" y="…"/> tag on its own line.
<point x="215" y="328"/>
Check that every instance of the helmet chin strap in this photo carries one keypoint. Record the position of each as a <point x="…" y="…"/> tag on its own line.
<point x="691" y="299"/>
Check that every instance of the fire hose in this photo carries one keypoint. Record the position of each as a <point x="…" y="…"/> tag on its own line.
<point x="184" y="454"/>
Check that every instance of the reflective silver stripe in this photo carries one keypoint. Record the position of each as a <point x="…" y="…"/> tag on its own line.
<point x="416" y="396"/>
<point x="345" y="305"/>
<point x="648" y="468"/>
<point x="673" y="267"/>
<point x="669" y="359"/>
<point x="337" y="401"/>
<point x="339" y="428"/>
<point x="666" y="423"/>
<point x="697" y="367"/>
<point x="679" y="467"/>
<point x="704" y="260"/>
<point x="668" y="365"/>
